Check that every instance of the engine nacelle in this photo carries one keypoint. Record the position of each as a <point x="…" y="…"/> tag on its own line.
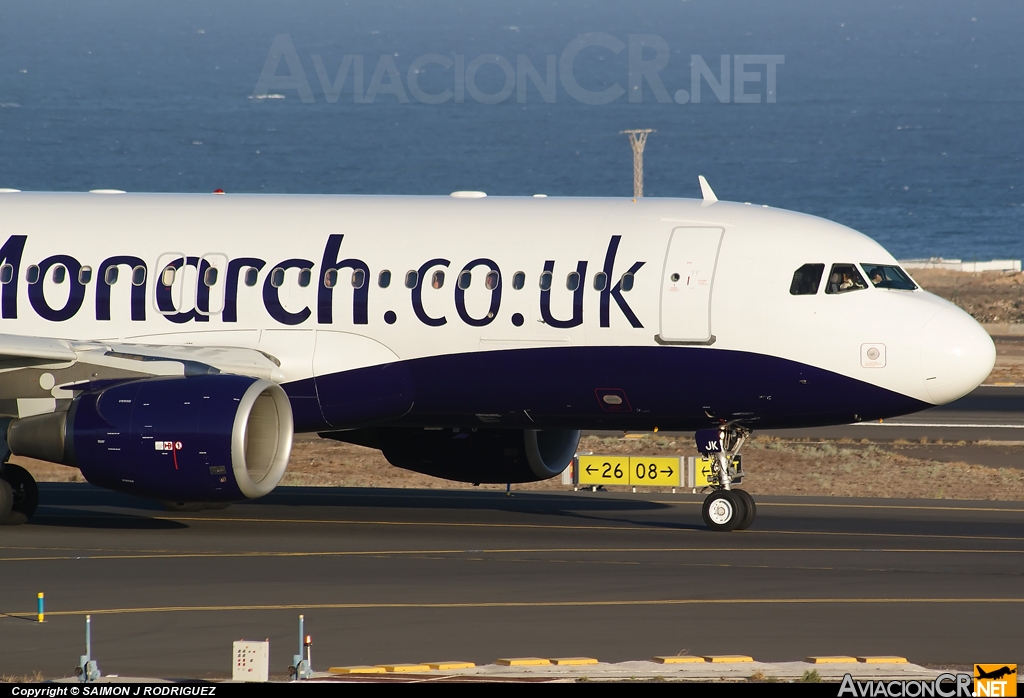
<point x="216" y="438"/>
<point x="473" y="455"/>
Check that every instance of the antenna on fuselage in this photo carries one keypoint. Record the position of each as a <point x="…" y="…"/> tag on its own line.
<point x="706" y="191"/>
<point x="637" y="140"/>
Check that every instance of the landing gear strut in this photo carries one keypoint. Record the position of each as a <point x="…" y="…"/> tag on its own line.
<point x="19" y="495"/>
<point x="726" y="508"/>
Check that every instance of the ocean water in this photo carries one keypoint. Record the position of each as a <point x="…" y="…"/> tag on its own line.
<point x="900" y="119"/>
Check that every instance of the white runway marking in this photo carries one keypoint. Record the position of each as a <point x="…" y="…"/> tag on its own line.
<point x="934" y="425"/>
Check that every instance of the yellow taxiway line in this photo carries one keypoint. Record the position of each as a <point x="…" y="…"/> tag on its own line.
<point x="518" y="604"/>
<point x="174" y="555"/>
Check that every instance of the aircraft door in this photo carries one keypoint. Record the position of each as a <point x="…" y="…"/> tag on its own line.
<point x="686" y="284"/>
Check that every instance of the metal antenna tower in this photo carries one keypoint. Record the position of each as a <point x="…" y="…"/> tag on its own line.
<point x="637" y="140"/>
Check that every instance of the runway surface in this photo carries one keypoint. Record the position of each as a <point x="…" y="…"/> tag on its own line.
<point x="411" y="576"/>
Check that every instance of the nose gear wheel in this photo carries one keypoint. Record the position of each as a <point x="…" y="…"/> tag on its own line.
<point x="724" y="510"/>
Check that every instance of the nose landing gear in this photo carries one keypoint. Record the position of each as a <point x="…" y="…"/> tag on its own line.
<point x="726" y="508"/>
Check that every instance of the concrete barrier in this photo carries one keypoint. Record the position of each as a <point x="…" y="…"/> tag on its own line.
<point x="960" y="265"/>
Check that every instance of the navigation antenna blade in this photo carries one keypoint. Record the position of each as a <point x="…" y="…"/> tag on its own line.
<point x="706" y="191"/>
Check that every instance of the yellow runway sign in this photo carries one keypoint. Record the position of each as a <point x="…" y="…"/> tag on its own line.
<point x="623" y="470"/>
<point x="659" y="472"/>
<point x="700" y="470"/>
<point x="604" y="470"/>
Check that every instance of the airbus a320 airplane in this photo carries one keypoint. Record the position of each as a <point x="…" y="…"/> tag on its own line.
<point x="169" y="346"/>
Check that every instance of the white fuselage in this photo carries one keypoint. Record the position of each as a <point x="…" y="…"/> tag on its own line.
<point x="733" y="294"/>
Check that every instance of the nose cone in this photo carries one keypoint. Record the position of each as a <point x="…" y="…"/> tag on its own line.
<point x="956" y="355"/>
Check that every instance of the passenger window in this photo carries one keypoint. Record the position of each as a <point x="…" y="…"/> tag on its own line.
<point x="358" y="278"/>
<point x="252" y="275"/>
<point x="167" y="277"/>
<point x="6" y="274"/>
<point x="437" y="280"/>
<point x="331" y="278"/>
<point x="806" y="280"/>
<point x="572" y="281"/>
<point x="305" y="277"/>
<point x="60" y="273"/>
<point x="845" y="277"/>
<point x="32" y="274"/>
<point x="277" y="277"/>
<point x="889" y="276"/>
<point x="518" y="280"/>
<point x="210" y="277"/>
<point x="84" y="275"/>
<point x="412" y="278"/>
<point x="465" y="280"/>
<point x="110" y="276"/>
<point x="384" y="280"/>
<point x="627" y="282"/>
<point x="138" y="275"/>
<point x="491" y="280"/>
<point x="545" y="281"/>
<point x="600" y="281"/>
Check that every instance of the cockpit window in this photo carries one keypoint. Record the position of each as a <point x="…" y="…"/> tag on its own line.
<point x="889" y="276"/>
<point x="806" y="280"/>
<point x="845" y="277"/>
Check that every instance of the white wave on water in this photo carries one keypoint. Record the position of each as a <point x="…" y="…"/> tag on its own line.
<point x="269" y="96"/>
<point x="9" y="105"/>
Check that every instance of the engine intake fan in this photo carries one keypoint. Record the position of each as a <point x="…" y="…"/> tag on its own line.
<point x="217" y="438"/>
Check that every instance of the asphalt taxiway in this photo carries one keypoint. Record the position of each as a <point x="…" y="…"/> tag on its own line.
<point x="414" y="576"/>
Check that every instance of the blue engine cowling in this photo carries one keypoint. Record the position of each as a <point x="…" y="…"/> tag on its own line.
<point x="210" y="438"/>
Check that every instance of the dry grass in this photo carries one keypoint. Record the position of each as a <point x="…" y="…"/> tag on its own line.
<point x="36" y="677"/>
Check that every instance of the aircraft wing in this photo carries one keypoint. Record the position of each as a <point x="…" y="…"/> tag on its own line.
<point x="72" y="365"/>
<point x="17" y="351"/>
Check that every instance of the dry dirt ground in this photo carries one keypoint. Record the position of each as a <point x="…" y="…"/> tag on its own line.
<point x="841" y="469"/>
<point x="990" y="296"/>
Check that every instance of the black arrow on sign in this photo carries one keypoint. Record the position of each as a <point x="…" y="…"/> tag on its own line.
<point x="590" y="469"/>
<point x="668" y="472"/>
